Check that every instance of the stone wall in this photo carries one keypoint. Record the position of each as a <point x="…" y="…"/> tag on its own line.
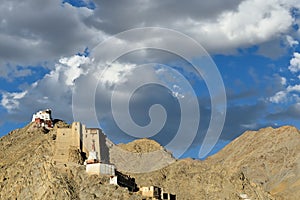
<point x="80" y="137"/>
<point x="104" y="150"/>
<point x="100" y="168"/>
<point x="65" y="139"/>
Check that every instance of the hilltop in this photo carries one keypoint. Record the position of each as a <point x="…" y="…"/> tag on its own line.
<point x="28" y="171"/>
<point x="143" y="145"/>
<point x="268" y="157"/>
<point x="142" y="155"/>
<point x="263" y="164"/>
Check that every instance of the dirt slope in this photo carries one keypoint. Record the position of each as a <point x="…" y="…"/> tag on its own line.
<point x="262" y="164"/>
<point x="141" y="155"/>
<point x="269" y="157"/>
<point x="27" y="171"/>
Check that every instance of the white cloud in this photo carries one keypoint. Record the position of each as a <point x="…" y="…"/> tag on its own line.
<point x="291" y="41"/>
<point x="72" y="65"/>
<point x="283" y="81"/>
<point x="232" y="29"/>
<point x="254" y="22"/>
<point x="61" y="31"/>
<point x="279" y="97"/>
<point x="269" y="18"/>
<point x="35" y="33"/>
<point x="294" y="88"/>
<point x="250" y="126"/>
<point x="217" y="26"/>
<point x="295" y="63"/>
<point x="286" y="95"/>
<point x="291" y="92"/>
<point x="66" y="30"/>
<point x="116" y="73"/>
<point x="177" y="95"/>
<point x="10" y="101"/>
<point x="54" y="90"/>
<point x="177" y="92"/>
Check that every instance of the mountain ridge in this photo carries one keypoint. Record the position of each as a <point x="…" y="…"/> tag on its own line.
<point x="263" y="164"/>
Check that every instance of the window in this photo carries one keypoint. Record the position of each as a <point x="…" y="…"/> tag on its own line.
<point x="165" y="196"/>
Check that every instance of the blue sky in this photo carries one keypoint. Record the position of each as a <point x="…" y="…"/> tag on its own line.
<point x="47" y="49"/>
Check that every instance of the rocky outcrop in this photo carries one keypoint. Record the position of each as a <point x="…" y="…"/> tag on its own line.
<point x="268" y="157"/>
<point x="141" y="146"/>
<point x="140" y="156"/>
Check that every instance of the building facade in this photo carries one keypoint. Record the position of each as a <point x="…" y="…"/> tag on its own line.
<point x="156" y="193"/>
<point x="43" y="118"/>
<point x="90" y="141"/>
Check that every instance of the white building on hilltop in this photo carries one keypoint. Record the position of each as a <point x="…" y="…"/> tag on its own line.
<point x="43" y="118"/>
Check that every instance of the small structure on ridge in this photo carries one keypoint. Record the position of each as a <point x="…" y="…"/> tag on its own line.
<point x="156" y="193"/>
<point x="43" y="118"/>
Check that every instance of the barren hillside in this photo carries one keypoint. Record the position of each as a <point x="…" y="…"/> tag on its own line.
<point x="27" y="171"/>
<point x="268" y="157"/>
<point x="262" y="164"/>
<point x="141" y="155"/>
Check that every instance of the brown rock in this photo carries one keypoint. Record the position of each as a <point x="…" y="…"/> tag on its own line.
<point x="262" y="164"/>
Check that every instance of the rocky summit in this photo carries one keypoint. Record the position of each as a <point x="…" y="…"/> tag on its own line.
<point x="262" y="164"/>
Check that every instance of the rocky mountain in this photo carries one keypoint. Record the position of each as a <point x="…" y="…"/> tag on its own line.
<point x="27" y="171"/>
<point x="269" y="158"/>
<point x="139" y="156"/>
<point x="262" y="164"/>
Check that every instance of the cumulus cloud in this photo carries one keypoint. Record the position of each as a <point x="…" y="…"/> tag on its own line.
<point x="50" y="33"/>
<point x="72" y="65"/>
<point x="295" y="63"/>
<point x="286" y="95"/>
<point x="291" y="41"/>
<point x="217" y="26"/>
<point x="279" y="97"/>
<point x="66" y="91"/>
<point x="116" y="73"/>
<point x="35" y="33"/>
<point x="283" y="81"/>
<point x="63" y="30"/>
<point x="289" y="97"/>
<point x="236" y="28"/>
<point x="54" y="90"/>
<point x="290" y="92"/>
<point x="10" y="101"/>
<point x="293" y="88"/>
